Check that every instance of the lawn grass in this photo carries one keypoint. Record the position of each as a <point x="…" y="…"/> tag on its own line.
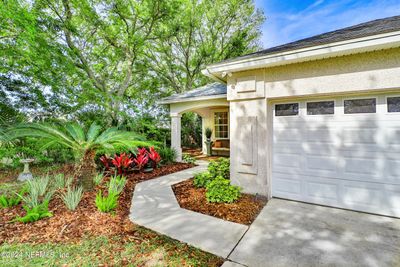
<point x="157" y="250"/>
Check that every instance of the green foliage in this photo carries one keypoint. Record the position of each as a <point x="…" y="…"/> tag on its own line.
<point x="35" y="213"/>
<point x="116" y="185"/>
<point x="106" y="203"/>
<point x="9" y="201"/>
<point x="60" y="181"/>
<point x="220" y="190"/>
<point x="37" y="189"/>
<point x="220" y="167"/>
<point x="208" y="132"/>
<point x="188" y="159"/>
<point x="167" y="154"/>
<point x="98" y="178"/>
<point x="202" y="179"/>
<point x="191" y="130"/>
<point x="72" y="197"/>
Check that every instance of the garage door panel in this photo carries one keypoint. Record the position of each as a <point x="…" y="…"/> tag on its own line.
<point x="343" y="160"/>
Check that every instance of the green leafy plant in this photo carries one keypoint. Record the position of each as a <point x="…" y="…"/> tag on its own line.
<point x="83" y="142"/>
<point x="208" y="132"/>
<point x="9" y="201"/>
<point x="220" y="190"/>
<point x="72" y="197"/>
<point x="188" y="159"/>
<point x="35" y="213"/>
<point x="37" y="189"/>
<point x="106" y="203"/>
<point x="202" y="179"/>
<point x="98" y="179"/>
<point x="167" y="154"/>
<point x="220" y="167"/>
<point x="116" y="185"/>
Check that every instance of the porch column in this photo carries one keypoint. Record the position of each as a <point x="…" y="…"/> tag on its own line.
<point x="176" y="135"/>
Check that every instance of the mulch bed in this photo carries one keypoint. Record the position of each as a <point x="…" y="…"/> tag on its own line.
<point x="85" y="221"/>
<point x="243" y="211"/>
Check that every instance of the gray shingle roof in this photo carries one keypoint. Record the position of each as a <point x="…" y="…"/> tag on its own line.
<point x="373" y="27"/>
<point x="212" y="89"/>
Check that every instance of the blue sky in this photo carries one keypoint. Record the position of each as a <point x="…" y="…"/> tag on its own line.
<point x="290" y="20"/>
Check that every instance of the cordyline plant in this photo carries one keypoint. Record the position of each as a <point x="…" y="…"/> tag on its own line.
<point x="154" y="156"/>
<point x="84" y="143"/>
<point x="122" y="162"/>
<point x="141" y="158"/>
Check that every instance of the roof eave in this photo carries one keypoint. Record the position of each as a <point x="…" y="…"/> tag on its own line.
<point x="365" y="44"/>
<point x="190" y="99"/>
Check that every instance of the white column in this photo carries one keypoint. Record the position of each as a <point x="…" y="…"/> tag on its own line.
<point x="176" y="135"/>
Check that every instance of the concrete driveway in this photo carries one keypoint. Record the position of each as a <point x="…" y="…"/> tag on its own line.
<point x="288" y="233"/>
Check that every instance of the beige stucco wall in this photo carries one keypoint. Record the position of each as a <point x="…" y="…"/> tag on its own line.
<point x="250" y="91"/>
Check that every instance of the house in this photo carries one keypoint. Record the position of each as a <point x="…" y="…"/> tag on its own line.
<point x="316" y="120"/>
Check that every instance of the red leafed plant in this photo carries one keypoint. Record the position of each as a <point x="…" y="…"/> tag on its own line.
<point x="106" y="162"/>
<point x="154" y="156"/>
<point x="141" y="160"/>
<point x="122" y="162"/>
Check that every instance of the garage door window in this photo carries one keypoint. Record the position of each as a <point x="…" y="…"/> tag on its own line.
<point x="287" y="109"/>
<point x="352" y="106"/>
<point x="320" y="108"/>
<point x="393" y="104"/>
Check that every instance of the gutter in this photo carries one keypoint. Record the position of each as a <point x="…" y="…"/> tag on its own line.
<point x="207" y="73"/>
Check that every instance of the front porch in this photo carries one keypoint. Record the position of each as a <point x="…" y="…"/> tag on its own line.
<point x="210" y="103"/>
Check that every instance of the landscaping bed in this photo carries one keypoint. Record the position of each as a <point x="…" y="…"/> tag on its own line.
<point x="71" y="228"/>
<point x="243" y="211"/>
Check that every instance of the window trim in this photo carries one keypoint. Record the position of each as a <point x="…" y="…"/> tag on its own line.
<point x="215" y="125"/>
<point x="321" y="100"/>
<point x="361" y="98"/>
<point x="288" y="103"/>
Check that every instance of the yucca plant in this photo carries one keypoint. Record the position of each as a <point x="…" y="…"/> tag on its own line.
<point x="72" y="197"/>
<point x="116" y="185"/>
<point x="84" y="143"/>
<point x="98" y="179"/>
<point x="60" y="181"/>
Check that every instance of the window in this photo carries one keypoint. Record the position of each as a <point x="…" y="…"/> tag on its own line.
<point x="221" y="125"/>
<point x="319" y="108"/>
<point x="360" y="106"/>
<point x="393" y="104"/>
<point x="287" y="109"/>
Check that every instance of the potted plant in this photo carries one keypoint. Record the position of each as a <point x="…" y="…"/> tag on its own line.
<point x="208" y="133"/>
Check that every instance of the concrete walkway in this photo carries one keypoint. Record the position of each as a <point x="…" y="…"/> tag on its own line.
<point x="154" y="206"/>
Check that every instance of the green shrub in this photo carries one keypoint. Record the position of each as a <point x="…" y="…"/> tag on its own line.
<point x="202" y="179"/>
<point x="116" y="185"/>
<point x="167" y="154"/>
<point x="72" y="197"/>
<point x="220" y="167"/>
<point x="220" y="190"/>
<point x="188" y="159"/>
<point x="106" y="203"/>
<point x="37" y="189"/>
<point x="9" y="201"/>
<point x="98" y="179"/>
<point x="35" y="213"/>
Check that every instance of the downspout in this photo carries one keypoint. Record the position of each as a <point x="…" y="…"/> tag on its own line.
<point x="207" y="73"/>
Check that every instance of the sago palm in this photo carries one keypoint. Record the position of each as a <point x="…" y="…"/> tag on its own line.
<point x="83" y="143"/>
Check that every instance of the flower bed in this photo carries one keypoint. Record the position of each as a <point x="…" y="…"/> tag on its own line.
<point x="244" y="210"/>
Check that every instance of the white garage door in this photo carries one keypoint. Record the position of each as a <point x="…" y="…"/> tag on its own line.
<point x="342" y="152"/>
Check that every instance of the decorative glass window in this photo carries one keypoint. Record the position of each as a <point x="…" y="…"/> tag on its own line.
<point x="221" y="125"/>
<point x="360" y="106"/>
<point x="320" y="108"/>
<point x="393" y="104"/>
<point x="287" y="109"/>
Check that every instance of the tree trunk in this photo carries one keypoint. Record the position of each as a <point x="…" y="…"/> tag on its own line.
<point x="86" y="170"/>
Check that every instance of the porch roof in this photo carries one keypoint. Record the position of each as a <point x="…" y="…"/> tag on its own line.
<point x="209" y="91"/>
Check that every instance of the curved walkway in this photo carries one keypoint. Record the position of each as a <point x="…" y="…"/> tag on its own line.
<point x="154" y="206"/>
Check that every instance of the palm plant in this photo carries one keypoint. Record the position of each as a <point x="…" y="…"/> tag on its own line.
<point x="83" y="143"/>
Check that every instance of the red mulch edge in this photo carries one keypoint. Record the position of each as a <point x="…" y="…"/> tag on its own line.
<point x="85" y="221"/>
<point x="243" y="211"/>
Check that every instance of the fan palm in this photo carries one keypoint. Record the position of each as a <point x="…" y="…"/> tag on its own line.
<point x="83" y="143"/>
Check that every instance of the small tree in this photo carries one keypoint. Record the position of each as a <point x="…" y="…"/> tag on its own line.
<point x="83" y="143"/>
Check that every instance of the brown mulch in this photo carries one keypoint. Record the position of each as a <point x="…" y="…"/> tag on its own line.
<point x="243" y="211"/>
<point x="86" y="220"/>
